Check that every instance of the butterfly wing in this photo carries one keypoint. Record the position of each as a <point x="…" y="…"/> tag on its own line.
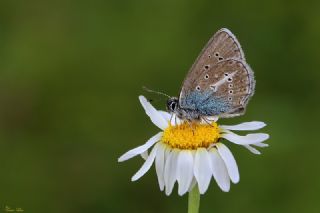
<point x="223" y="45"/>
<point x="224" y="89"/>
<point x="219" y="82"/>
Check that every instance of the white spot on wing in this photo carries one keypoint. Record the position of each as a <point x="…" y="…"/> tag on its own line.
<point x="214" y="88"/>
<point x="224" y="79"/>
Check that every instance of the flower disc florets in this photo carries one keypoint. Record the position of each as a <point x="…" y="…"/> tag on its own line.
<point x="191" y="135"/>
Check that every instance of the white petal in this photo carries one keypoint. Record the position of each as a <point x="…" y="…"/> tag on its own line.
<point x="252" y="149"/>
<point x="247" y="139"/>
<point x="194" y="181"/>
<point x="147" y="164"/>
<point x="230" y="162"/>
<point x="171" y="118"/>
<point x="166" y="153"/>
<point x="160" y="165"/>
<point x="140" y="149"/>
<point x="184" y="171"/>
<point x="167" y="165"/>
<point x="253" y="125"/>
<point x="144" y="155"/>
<point x="202" y="169"/>
<point x="165" y="115"/>
<point x="219" y="170"/>
<point x="261" y="144"/>
<point x="154" y="115"/>
<point x="170" y="171"/>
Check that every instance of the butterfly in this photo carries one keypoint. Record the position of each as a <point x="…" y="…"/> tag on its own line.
<point x="219" y="83"/>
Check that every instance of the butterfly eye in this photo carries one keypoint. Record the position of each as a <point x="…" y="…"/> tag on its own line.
<point x="229" y="79"/>
<point x="198" y="88"/>
<point x="230" y="99"/>
<point x="230" y="91"/>
<point x="206" y="67"/>
<point x="173" y="106"/>
<point x="206" y="76"/>
<point x="230" y="85"/>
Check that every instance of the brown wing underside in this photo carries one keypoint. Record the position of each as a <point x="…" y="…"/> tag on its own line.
<point x="230" y="80"/>
<point x="223" y="45"/>
<point x="221" y="68"/>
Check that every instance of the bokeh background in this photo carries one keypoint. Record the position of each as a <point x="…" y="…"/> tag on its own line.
<point x="70" y="76"/>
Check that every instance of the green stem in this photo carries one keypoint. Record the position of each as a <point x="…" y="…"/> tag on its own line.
<point x="194" y="200"/>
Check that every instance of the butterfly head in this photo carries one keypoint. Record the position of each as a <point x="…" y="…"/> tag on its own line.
<point x="172" y="104"/>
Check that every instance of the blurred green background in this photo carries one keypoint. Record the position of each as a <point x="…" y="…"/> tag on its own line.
<point x="70" y="76"/>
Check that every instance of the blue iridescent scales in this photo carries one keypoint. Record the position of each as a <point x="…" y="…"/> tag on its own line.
<point x="219" y="83"/>
<point x="204" y="103"/>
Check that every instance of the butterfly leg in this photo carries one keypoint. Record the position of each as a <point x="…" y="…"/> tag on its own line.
<point x="191" y="125"/>
<point x="175" y="120"/>
<point x="170" y="121"/>
<point x="207" y="121"/>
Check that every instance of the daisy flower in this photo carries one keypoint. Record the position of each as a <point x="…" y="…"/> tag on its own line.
<point x="193" y="154"/>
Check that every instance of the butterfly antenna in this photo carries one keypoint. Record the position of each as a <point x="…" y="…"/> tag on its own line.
<point x="157" y="92"/>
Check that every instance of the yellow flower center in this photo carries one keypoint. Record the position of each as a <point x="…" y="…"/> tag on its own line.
<point x="191" y="135"/>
